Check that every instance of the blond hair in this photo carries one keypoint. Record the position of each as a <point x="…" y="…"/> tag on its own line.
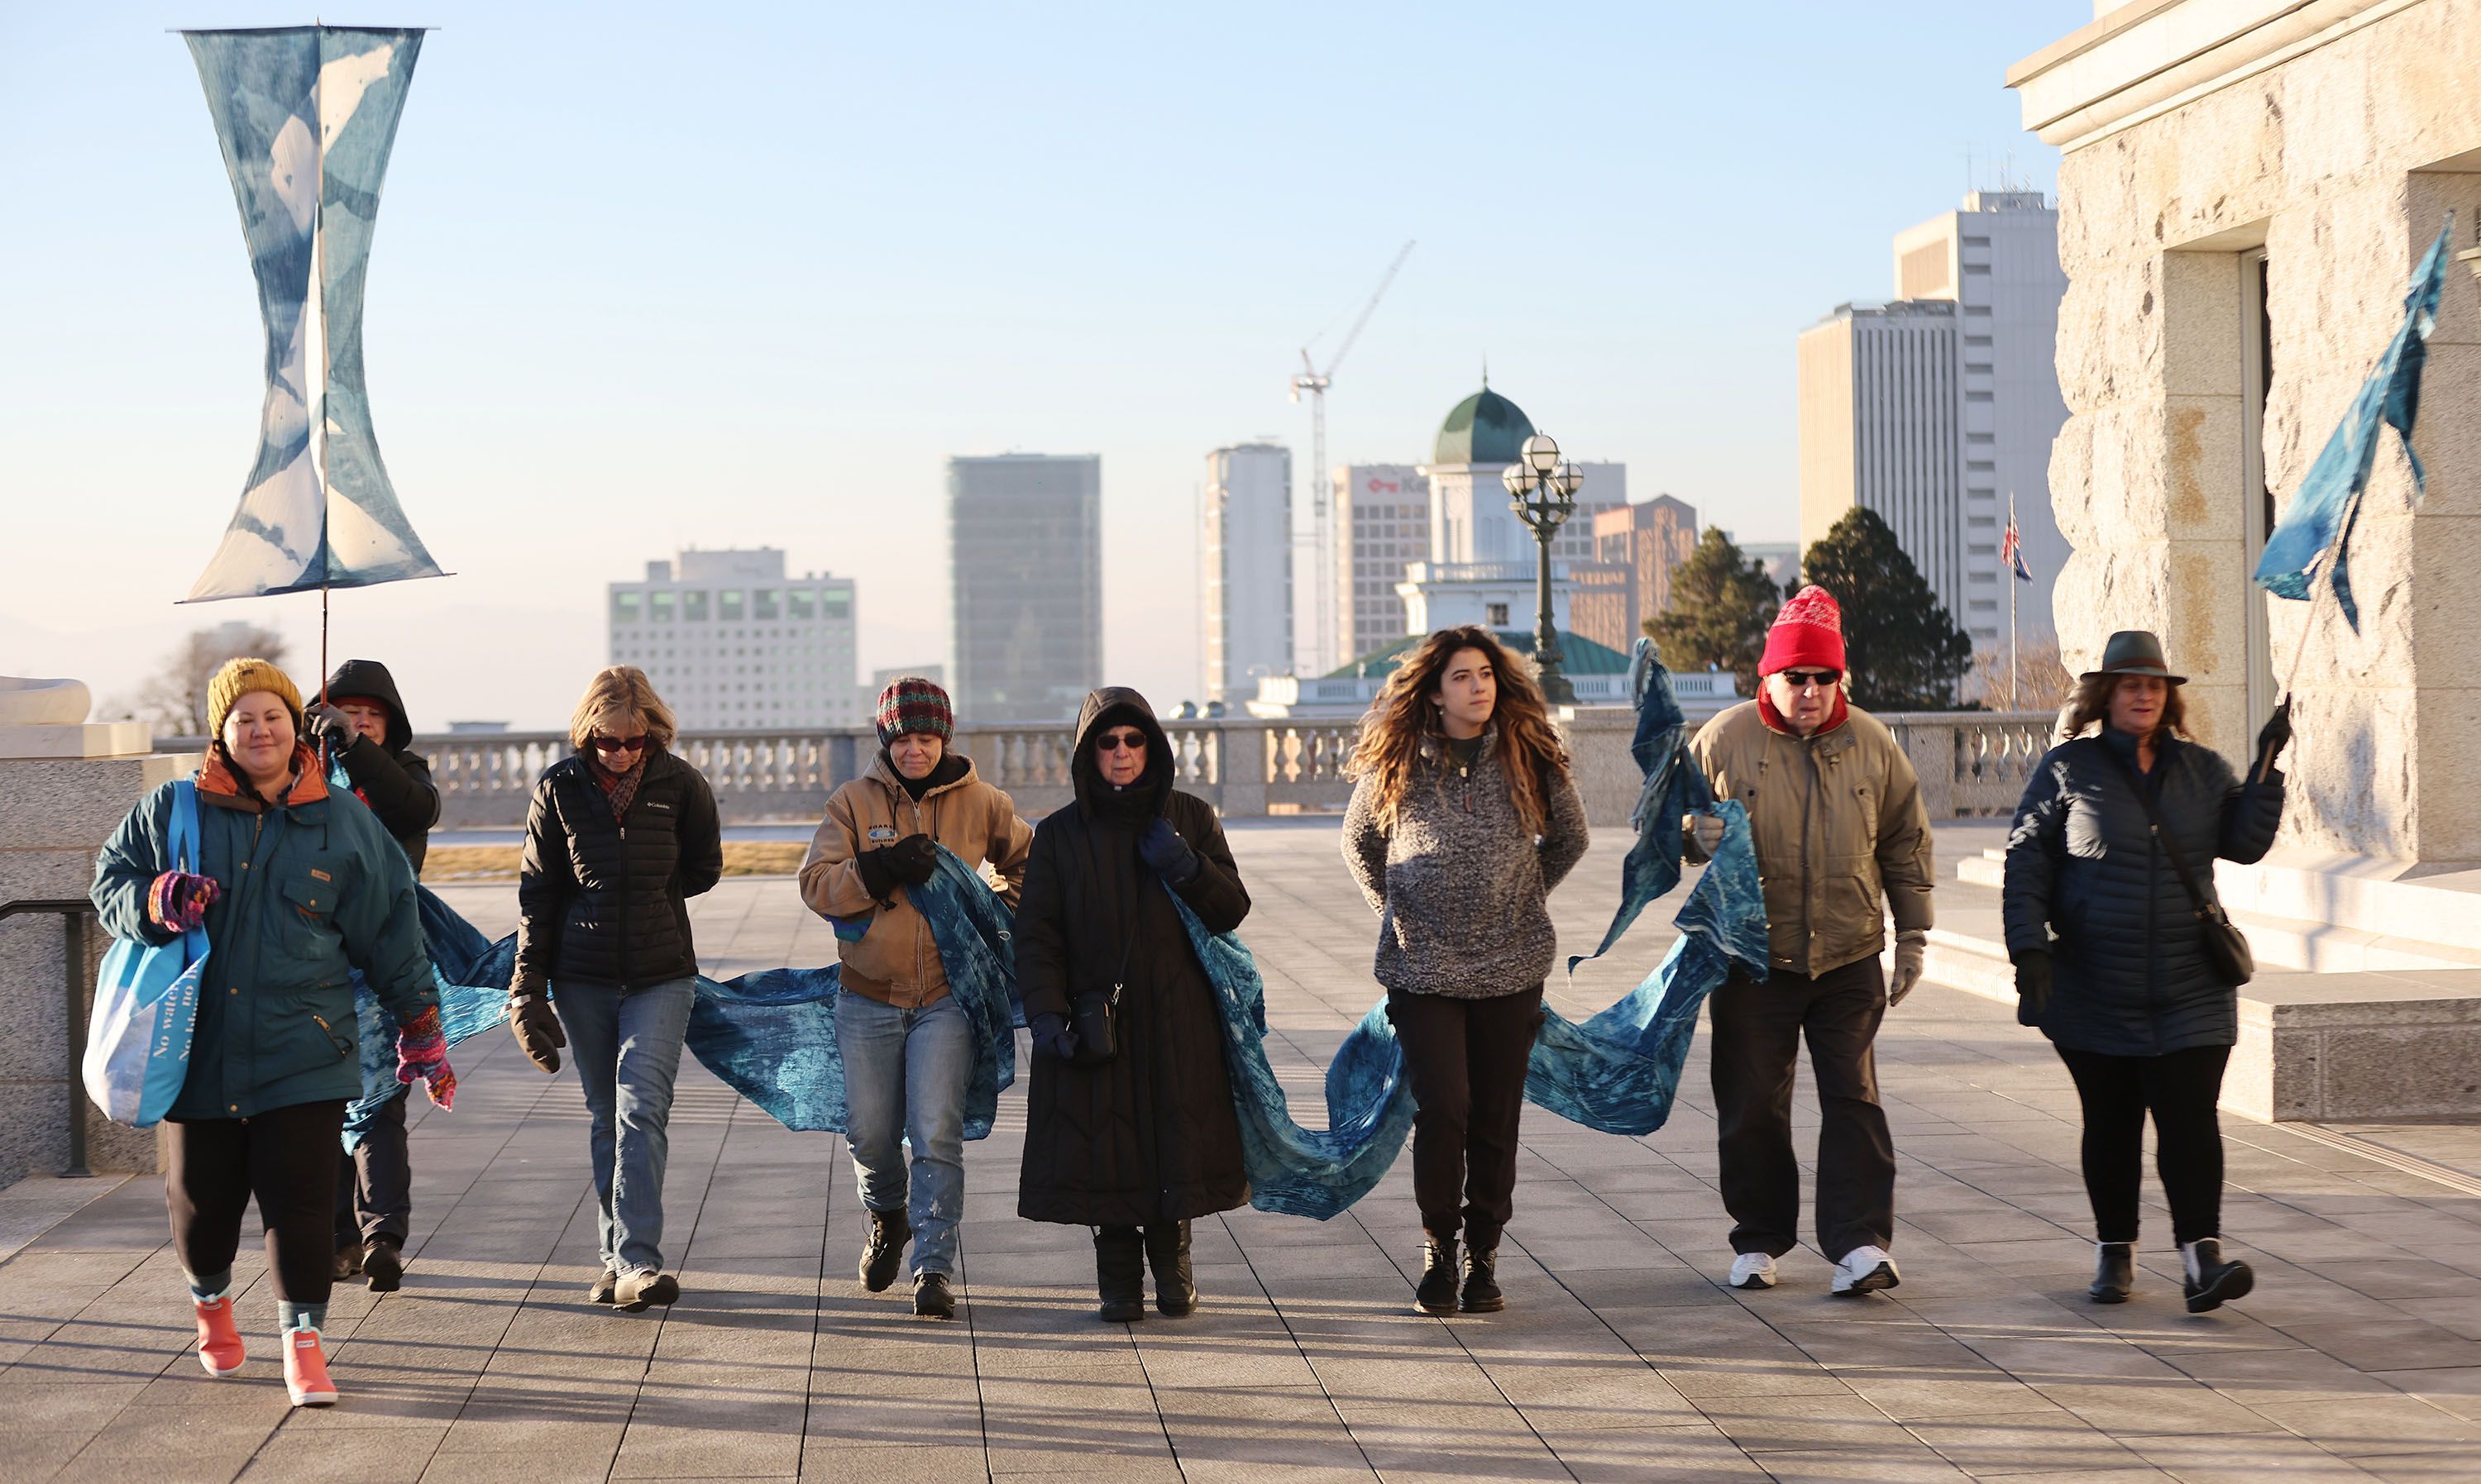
<point x="623" y="700"/>
<point x="1404" y="717"/>
<point x="2090" y="706"/>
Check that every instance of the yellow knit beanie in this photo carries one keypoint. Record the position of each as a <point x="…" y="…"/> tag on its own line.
<point x="238" y="678"/>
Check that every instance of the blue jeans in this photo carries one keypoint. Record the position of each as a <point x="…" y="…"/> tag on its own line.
<point x="904" y="1082"/>
<point x="627" y="1047"/>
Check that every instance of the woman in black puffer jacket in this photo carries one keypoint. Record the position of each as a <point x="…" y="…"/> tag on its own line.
<point x="1137" y="1145"/>
<point x="619" y="837"/>
<point x="2111" y="958"/>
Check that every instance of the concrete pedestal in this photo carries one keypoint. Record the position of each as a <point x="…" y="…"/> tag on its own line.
<point x="63" y="789"/>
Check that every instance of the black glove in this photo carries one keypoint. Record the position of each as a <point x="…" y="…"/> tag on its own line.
<point x="2032" y="987"/>
<point x="1162" y="848"/>
<point x="328" y="726"/>
<point x="877" y="869"/>
<point x="537" y="1026"/>
<point x="913" y="859"/>
<point x="2274" y="737"/>
<point x="1051" y="1036"/>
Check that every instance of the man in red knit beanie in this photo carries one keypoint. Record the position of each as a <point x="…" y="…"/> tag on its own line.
<point x="1841" y="842"/>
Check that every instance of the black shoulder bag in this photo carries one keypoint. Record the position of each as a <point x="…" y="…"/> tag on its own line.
<point x="2227" y="948"/>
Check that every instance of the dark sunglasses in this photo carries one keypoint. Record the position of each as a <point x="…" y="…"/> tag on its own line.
<point x="637" y="743"/>
<point x="1133" y="741"/>
<point x="1801" y="680"/>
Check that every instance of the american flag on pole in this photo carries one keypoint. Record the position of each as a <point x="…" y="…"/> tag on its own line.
<point x="2012" y="551"/>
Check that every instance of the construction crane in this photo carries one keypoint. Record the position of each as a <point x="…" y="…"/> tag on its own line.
<point x="1322" y="498"/>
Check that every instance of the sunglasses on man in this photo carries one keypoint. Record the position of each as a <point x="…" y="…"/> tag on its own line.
<point x="1802" y="680"/>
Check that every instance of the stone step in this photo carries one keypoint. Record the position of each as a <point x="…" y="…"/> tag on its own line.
<point x="2309" y="946"/>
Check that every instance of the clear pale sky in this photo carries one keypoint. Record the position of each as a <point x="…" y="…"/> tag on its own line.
<point x="652" y="276"/>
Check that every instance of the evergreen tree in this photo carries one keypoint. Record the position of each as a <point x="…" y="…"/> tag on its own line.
<point x="1903" y="650"/>
<point x="1720" y="605"/>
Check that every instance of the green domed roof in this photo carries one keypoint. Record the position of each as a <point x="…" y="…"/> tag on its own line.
<point x="1484" y="429"/>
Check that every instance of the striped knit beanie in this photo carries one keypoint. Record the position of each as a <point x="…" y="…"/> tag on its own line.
<point x="911" y="703"/>
<point x="238" y="678"/>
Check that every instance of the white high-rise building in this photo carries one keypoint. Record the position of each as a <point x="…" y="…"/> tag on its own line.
<point x="1245" y="562"/>
<point x="1882" y="426"/>
<point x="1382" y="526"/>
<point x="1998" y="259"/>
<point x="1934" y="409"/>
<point x="731" y="643"/>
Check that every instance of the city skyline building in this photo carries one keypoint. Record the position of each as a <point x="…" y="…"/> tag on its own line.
<point x="731" y="643"/>
<point x="1024" y="541"/>
<point x="1934" y="408"/>
<point x="1482" y="562"/>
<point x="1881" y="420"/>
<point x="1246" y="567"/>
<point x="1998" y="259"/>
<point x="1382" y="524"/>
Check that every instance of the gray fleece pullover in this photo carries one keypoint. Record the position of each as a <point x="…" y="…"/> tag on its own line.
<point x="1459" y="884"/>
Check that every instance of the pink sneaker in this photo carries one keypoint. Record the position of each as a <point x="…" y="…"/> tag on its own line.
<point x="219" y="1342"/>
<point x="305" y="1371"/>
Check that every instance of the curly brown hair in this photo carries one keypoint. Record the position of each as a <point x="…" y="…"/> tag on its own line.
<point x="2090" y="707"/>
<point x="1404" y="717"/>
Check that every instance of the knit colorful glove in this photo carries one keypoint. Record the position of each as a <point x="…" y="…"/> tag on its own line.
<point x="421" y="1055"/>
<point x="179" y="902"/>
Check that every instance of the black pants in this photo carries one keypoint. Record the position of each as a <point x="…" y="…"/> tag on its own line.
<point x="1758" y="1030"/>
<point x="287" y="1158"/>
<point x="374" y="1183"/>
<point x="2180" y="1090"/>
<point x="1466" y="1059"/>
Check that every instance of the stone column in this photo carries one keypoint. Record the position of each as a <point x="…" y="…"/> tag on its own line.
<point x="65" y="787"/>
<point x="1243" y="775"/>
<point x="1606" y="776"/>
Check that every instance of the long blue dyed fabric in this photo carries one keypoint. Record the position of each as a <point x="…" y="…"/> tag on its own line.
<point x="2316" y="527"/>
<point x="769" y="1035"/>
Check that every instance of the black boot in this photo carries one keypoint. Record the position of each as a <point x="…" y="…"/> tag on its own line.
<point x="348" y="1259"/>
<point x="1481" y="1293"/>
<point x="383" y="1261"/>
<point x="1119" y="1274"/>
<point x="883" y="1255"/>
<point x="2114" y="1272"/>
<point x="932" y="1298"/>
<point x="1175" y="1282"/>
<point x="1437" y="1292"/>
<point x="2211" y="1283"/>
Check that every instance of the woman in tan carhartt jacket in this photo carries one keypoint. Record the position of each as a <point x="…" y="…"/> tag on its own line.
<point x="906" y="1046"/>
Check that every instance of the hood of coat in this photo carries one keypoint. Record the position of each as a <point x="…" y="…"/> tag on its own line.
<point x="369" y="678"/>
<point x="1119" y="706"/>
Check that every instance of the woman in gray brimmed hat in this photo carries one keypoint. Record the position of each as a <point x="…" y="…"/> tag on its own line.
<point x="2112" y="954"/>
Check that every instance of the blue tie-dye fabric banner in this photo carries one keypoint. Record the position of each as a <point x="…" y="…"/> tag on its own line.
<point x="2317" y="526"/>
<point x="306" y="116"/>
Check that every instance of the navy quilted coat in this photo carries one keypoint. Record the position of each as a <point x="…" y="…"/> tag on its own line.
<point x="1150" y="1136"/>
<point x="2130" y="972"/>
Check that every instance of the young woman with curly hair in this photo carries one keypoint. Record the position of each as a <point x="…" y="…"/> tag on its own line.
<point x="1463" y="818"/>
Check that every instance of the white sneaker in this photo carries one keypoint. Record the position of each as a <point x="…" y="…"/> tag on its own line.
<point x="1753" y="1270"/>
<point x="1864" y="1269"/>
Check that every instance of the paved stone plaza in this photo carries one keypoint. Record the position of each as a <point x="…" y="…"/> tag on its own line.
<point x="1619" y="1357"/>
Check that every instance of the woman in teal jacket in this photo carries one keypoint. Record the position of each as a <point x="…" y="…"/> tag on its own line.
<point x="297" y="886"/>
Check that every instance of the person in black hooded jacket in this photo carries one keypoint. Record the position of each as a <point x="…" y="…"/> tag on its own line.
<point x="2112" y="961"/>
<point x="1139" y="1144"/>
<point x="360" y="721"/>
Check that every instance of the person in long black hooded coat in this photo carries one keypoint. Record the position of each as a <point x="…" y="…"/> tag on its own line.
<point x="1137" y="1145"/>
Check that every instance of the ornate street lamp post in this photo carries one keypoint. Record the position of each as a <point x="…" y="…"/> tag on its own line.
<point x="1542" y="491"/>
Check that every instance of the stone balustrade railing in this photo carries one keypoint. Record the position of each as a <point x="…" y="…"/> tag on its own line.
<point x="1970" y="763"/>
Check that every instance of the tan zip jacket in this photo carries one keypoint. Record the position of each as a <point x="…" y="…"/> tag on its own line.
<point x="1841" y="837"/>
<point x="894" y="961"/>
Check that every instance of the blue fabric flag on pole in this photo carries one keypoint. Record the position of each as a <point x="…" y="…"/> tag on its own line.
<point x="2317" y="526"/>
